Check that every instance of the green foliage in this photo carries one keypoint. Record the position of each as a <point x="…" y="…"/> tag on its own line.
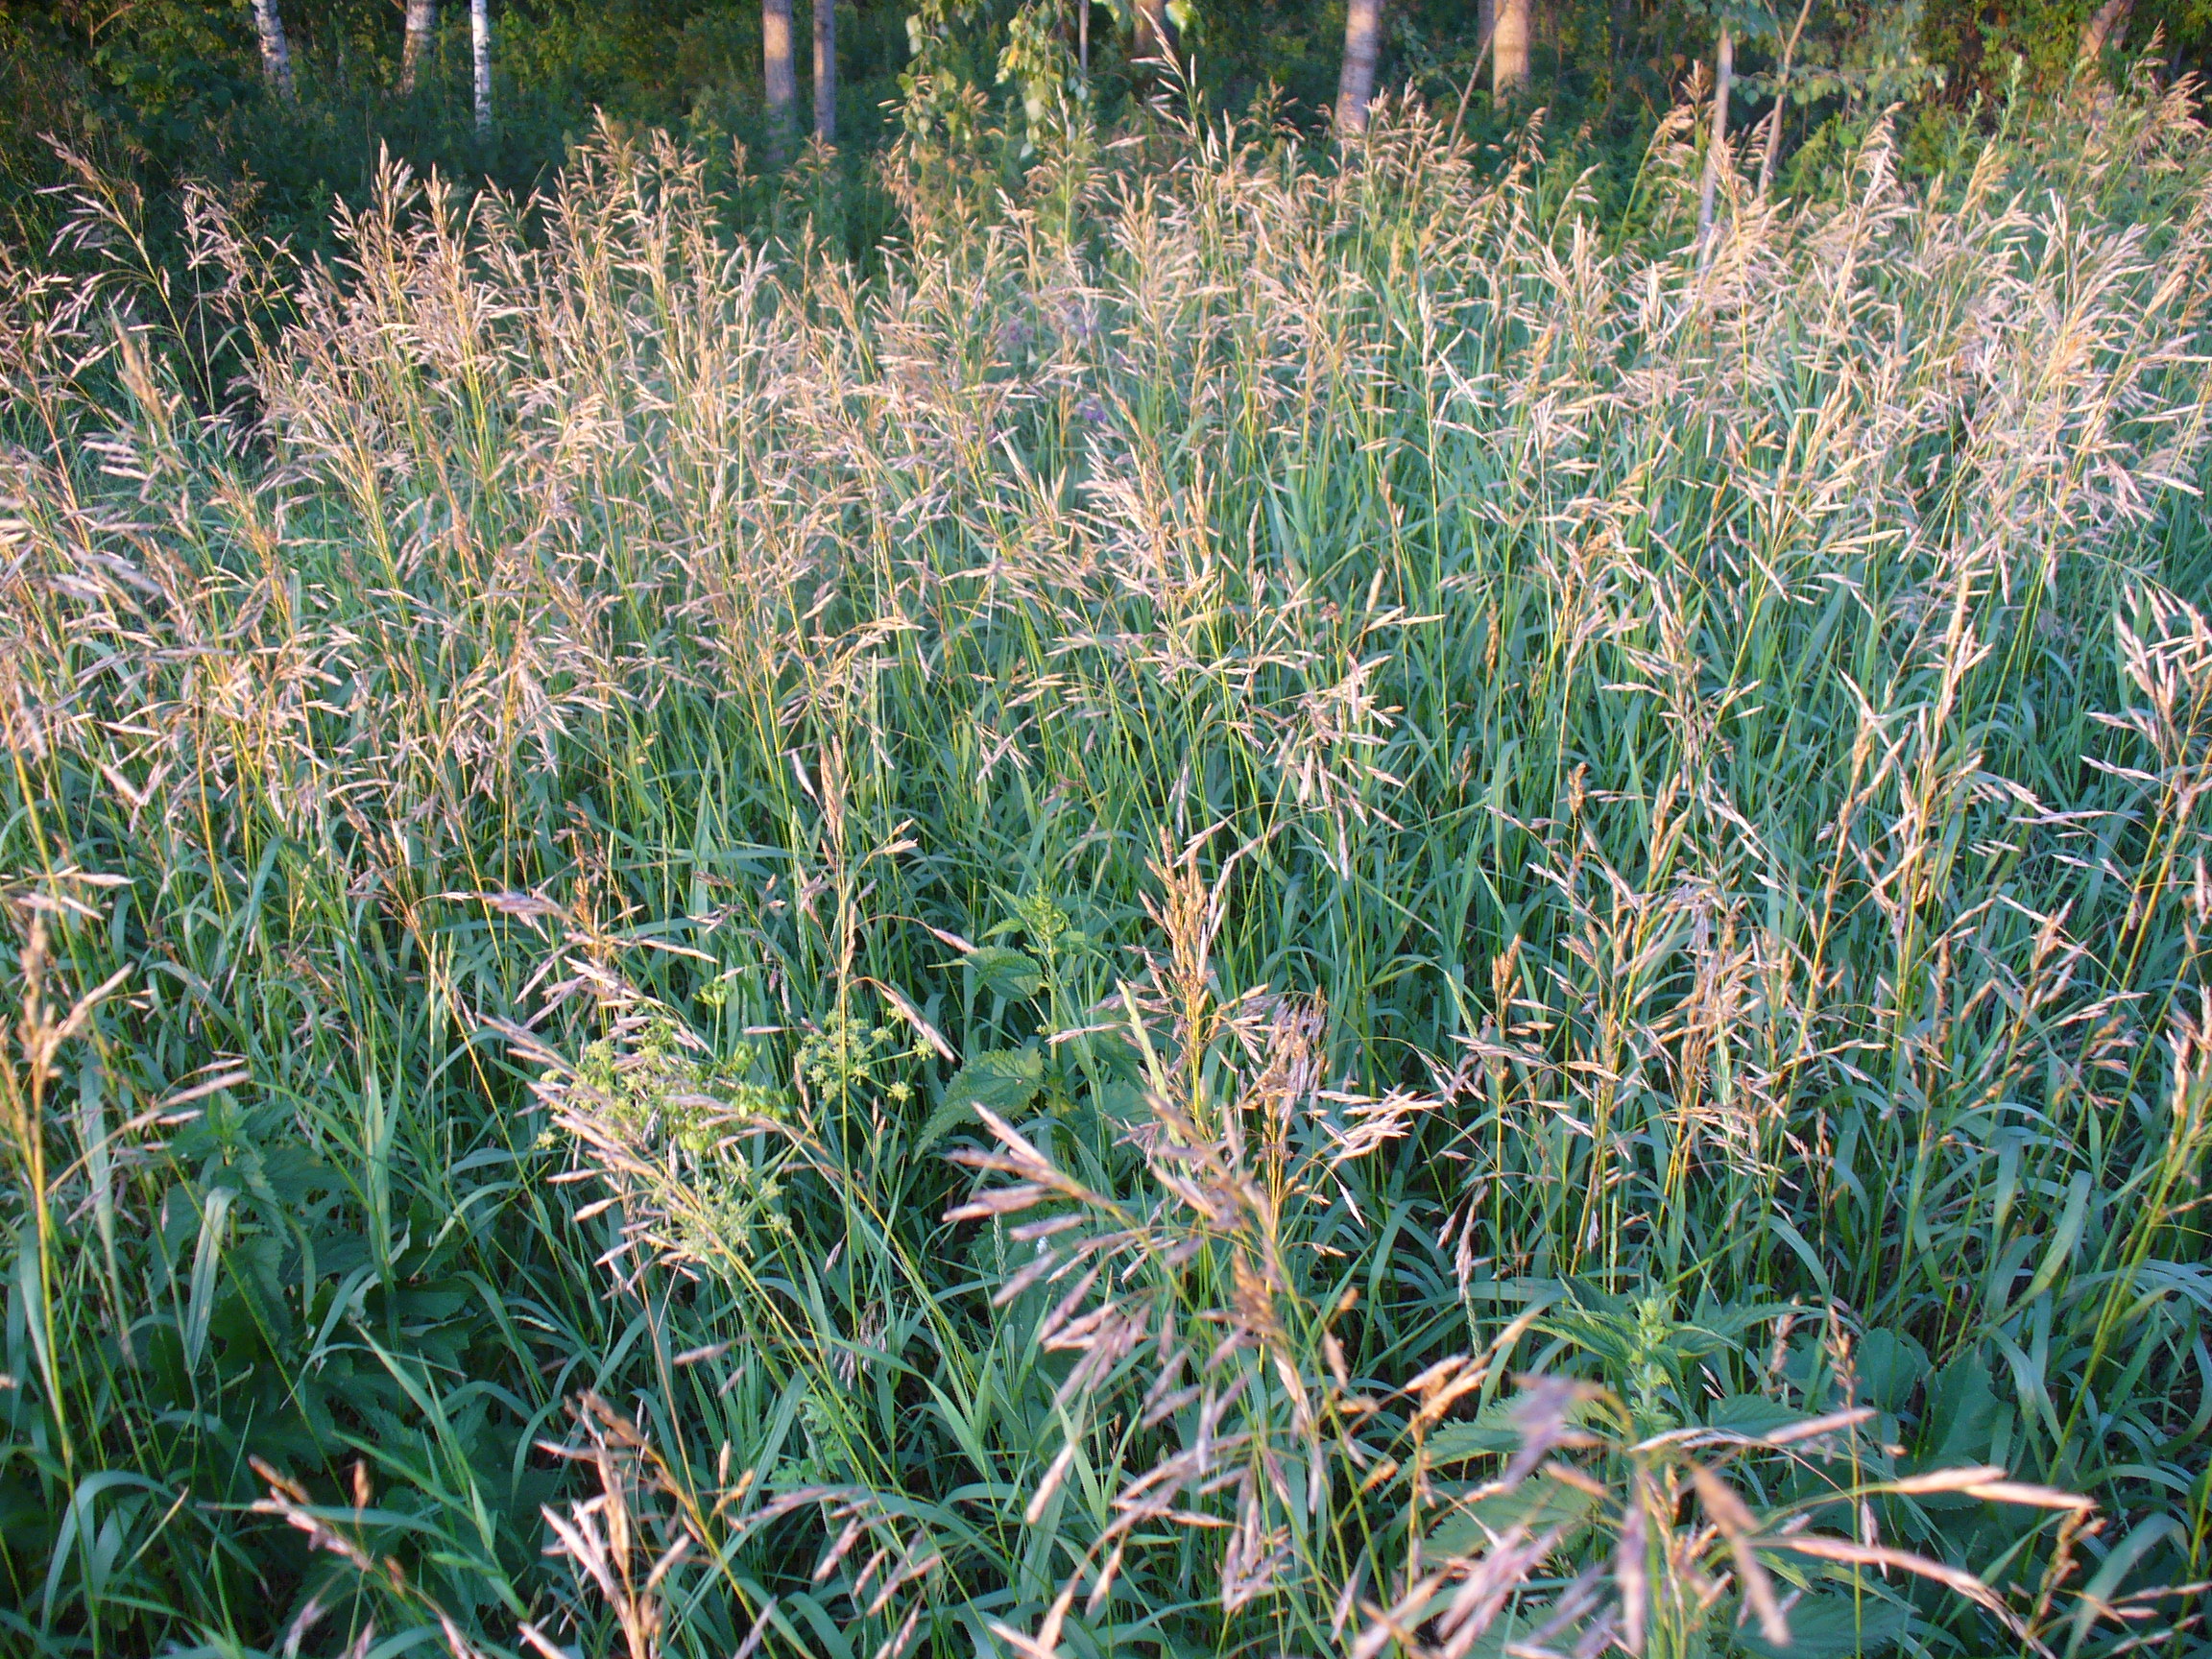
<point x="1550" y="892"/>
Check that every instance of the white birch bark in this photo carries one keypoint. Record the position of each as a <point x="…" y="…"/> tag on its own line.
<point x="275" y="52"/>
<point x="480" y="52"/>
<point x="422" y="22"/>
<point x="1356" y="84"/>
<point x="779" y="74"/>
<point x="1717" y="148"/>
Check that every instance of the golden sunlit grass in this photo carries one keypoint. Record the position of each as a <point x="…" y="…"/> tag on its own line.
<point x="1276" y="907"/>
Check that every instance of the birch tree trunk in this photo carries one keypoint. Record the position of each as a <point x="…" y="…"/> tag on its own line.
<point x="1509" y="42"/>
<point x="1717" y="148"/>
<point x="276" y="54"/>
<point x="422" y="21"/>
<point x="826" y="70"/>
<point x="1356" y="84"/>
<point x="480" y="53"/>
<point x="2107" y="26"/>
<point x="780" y="75"/>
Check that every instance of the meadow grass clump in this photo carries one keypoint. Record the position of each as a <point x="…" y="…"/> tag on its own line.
<point x="1276" y="907"/>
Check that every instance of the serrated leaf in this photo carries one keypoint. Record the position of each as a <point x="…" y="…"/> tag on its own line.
<point x="1831" y="1627"/>
<point x="1491" y="1434"/>
<point x="948" y="1116"/>
<point x="1890" y="1365"/>
<point x="1538" y="1503"/>
<point x="1004" y="973"/>
<point x="1752" y="1415"/>
<point x="1003" y="1079"/>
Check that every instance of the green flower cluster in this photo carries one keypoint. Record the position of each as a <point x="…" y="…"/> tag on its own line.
<point x="846" y="1054"/>
<point x="662" y="1090"/>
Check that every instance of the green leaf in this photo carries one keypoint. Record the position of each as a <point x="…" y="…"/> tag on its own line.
<point x="1538" y="1503"/>
<point x="1493" y="1434"/>
<point x="1006" y="973"/>
<point x="1003" y="1079"/>
<point x="1890" y="1365"/>
<point x="1752" y="1414"/>
<point x="951" y="1115"/>
<point x="1963" y="1413"/>
<point x="1830" y="1627"/>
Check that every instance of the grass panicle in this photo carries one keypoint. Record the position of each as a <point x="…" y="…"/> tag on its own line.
<point x="1270" y="908"/>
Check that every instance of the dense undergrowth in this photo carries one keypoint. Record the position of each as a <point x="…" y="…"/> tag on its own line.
<point x="1547" y="887"/>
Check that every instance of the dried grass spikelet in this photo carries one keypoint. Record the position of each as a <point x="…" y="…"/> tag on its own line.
<point x="1197" y="1297"/>
<point x="557" y="477"/>
<point x="652" y="1521"/>
<point x="22" y="725"/>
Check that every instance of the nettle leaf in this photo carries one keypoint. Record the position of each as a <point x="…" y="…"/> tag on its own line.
<point x="949" y="1115"/>
<point x="1890" y="1365"/>
<point x="1457" y="1442"/>
<point x="1963" y="1413"/>
<point x="1539" y="1503"/>
<point x="1831" y="1627"/>
<point x="1004" y="1080"/>
<point x="1004" y="973"/>
<point x="1752" y="1414"/>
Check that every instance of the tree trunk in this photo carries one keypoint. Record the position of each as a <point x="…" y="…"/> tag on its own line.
<point x="422" y="21"/>
<point x="1724" y="73"/>
<point x="1773" y="154"/>
<point x="1155" y="30"/>
<point x="276" y="54"/>
<point x="480" y="56"/>
<point x="826" y="70"/>
<point x="1509" y="41"/>
<point x="779" y="74"/>
<point x="1485" y="30"/>
<point x="1356" y="86"/>
<point x="2107" y="26"/>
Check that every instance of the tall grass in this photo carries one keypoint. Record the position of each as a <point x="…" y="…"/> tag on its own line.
<point x="1278" y="908"/>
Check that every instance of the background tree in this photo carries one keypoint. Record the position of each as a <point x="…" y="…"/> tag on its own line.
<point x="177" y="89"/>
<point x="1773" y="151"/>
<point x="480" y="55"/>
<point x="1509" y="43"/>
<point x="1717" y="145"/>
<point x="2107" y="26"/>
<point x="1362" y="41"/>
<point x="422" y="22"/>
<point x="826" y="70"/>
<point x="1765" y="27"/>
<point x="275" y="52"/>
<point x="778" y="74"/>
